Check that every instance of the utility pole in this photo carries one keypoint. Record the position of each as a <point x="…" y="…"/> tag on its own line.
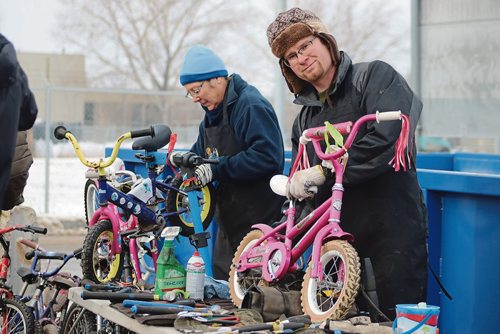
<point x="279" y="93"/>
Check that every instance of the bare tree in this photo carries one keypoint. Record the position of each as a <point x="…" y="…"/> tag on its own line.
<point x="367" y="30"/>
<point x="140" y="43"/>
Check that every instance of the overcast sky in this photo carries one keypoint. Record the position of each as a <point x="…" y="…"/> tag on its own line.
<point x="27" y="24"/>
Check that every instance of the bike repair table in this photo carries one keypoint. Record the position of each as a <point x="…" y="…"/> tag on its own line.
<point x="102" y="308"/>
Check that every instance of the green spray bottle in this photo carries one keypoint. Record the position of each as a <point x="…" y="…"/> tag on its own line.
<point x="170" y="275"/>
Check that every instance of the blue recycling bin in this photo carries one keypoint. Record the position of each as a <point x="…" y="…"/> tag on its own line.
<point x="462" y="192"/>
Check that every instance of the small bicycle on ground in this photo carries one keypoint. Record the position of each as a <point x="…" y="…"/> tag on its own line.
<point x="14" y="315"/>
<point x="267" y="254"/>
<point x="49" y="301"/>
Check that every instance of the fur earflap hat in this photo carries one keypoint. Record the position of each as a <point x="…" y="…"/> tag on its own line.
<point x="288" y="28"/>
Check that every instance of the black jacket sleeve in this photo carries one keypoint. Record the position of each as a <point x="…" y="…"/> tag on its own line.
<point x="383" y="89"/>
<point x="29" y="109"/>
<point x="8" y="63"/>
<point x="12" y="73"/>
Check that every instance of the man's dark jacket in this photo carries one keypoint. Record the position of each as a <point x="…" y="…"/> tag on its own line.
<point x="382" y="208"/>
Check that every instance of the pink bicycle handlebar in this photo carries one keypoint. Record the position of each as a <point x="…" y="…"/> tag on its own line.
<point x="317" y="134"/>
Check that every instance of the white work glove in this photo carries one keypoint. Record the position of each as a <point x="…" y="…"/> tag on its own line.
<point x="301" y="181"/>
<point x="204" y="174"/>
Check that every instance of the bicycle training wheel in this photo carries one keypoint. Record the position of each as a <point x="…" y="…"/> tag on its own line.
<point x="177" y="201"/>
<point x="239" y="283"/>
<point x="15" y="317"/>
<point x="76" y="323"/>
<point x="90" y="199"/>
<point x="335" y="294"/>
<point x="98" y="264"/>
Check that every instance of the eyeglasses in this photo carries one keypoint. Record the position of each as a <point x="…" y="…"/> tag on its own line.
<point x="293" y="58"/>
<point x="195" y="92"/>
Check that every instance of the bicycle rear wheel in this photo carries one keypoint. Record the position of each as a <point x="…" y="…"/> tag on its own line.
<point x="76" y="322"/>
<point x="177" y="201"/>
<point x="15" y="317"/>
<point x="335" y="294"/>
<point x="98" y="264"/>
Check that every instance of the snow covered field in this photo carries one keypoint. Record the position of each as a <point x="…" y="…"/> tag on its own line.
<point x="66" y="186"/>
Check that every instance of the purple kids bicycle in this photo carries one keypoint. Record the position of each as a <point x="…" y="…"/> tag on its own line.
<point x="268" y="253"/>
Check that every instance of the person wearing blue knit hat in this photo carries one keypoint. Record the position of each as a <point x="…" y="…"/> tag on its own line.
<point x="240" y="128"/>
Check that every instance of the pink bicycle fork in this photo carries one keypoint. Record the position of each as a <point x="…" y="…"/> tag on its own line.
<point x="323" y="224"/>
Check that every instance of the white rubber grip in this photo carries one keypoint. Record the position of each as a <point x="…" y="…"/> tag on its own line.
<point x="388" y="116"/>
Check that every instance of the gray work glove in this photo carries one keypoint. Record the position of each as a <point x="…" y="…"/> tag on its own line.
<point x="299" y="186"/>
<point x="204" y="174"/>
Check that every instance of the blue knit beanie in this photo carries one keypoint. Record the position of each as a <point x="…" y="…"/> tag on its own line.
<point x="201" y="64"/>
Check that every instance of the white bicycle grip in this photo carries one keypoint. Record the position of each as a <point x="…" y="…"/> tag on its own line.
<point x="388" y="116"/>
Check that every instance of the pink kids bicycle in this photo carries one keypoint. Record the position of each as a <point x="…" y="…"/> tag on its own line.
<point x="266" y="254"/>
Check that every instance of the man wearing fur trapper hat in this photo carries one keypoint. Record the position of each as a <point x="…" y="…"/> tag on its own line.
<point x="383" y="209"/>
<point x="241" y="129"/>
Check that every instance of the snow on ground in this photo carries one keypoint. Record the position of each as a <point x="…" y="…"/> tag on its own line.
<point x="66" y="179"/>
<point x="66" y="187"/>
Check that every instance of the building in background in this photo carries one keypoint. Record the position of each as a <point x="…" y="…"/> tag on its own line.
<point x="457" y="71"/>
<point x="101" y="115"/>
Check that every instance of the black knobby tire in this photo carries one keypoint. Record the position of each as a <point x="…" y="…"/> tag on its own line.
<point x="86" y="323"/>
<point x="97" y="262"/>
<point x="38" y="328"/>
<point x="177" y="201"/>
<point x="90" y="199"/>
<point x="20" y="317"/>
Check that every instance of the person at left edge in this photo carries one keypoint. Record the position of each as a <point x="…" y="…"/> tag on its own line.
<point x="241" y="129"/>
<point x="18" y="111"/>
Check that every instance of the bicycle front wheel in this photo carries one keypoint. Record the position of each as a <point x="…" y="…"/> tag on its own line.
<point x="76" y="322"/>
<point x="334" y="295"/>
<point x="16" y="317"/>
<point x="98" y="264"/>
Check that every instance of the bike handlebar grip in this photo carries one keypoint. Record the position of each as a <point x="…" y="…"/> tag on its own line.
<point x="116" y="296"/>
<point x="141" y="309"/>
<point x="143" y="133"/>
<point x="60" y="132"/>
<point x="36" y="229"/>
<point x="78" y="252"/>
<point x="388" y="116"/>
<point x="51" y="256"/>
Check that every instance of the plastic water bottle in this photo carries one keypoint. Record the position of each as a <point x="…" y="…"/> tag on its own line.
<point x="143" y="190"/>
<point x="195" y="276"/>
